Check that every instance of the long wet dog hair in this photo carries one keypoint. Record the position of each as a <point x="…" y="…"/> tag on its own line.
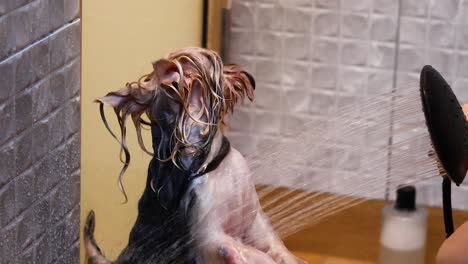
<point x="221" y="87"/>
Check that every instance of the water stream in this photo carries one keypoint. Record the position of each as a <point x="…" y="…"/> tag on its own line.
<point x="367" y="149"/>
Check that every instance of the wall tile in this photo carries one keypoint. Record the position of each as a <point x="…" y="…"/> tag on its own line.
<point x="355" y="26"/>
<point x="410" y="59"/>
<point x="446" y="10"/>
<point x="7" y="121"/>
<point x="380" y="82"/>
<point x="298" y="20"/>
<point x="23" y="111"/>
<point x="57" y="90"/>
<point x="353" y="81"/>
<point x="72" y="41"/>
<point x="462" y="40"/>
<point x="459" y="88"/>
<point x="7" y="199"/>
<point x="324" y="77"/>
<point x="268" y="98"/>
<point x="268" y="71"/>
<point x="39" y="140"/>
<point x="73" y="78"/>
<point x="292" y="126"/>
<point x="297" y="47"/>
<point x="7" y="78"/>
<point x="9" y="5"/>
<point x="56" y="239"/>
<point x="323" y="103"/>
<point x="329" y="4"/>
<point x="24" y="188"/>
<point x="324" y="24"/>
<point x="389" y="7"/>
<point x="72" y="117"/>
<point x="355" y="53"/>
<point x="40" y="16"/>
<point x="382" y="56"/>
<point x="442" y="60"/>
<point x="416" y="8"/>
<point x="40" y="99"/>
<point x="348" y="159"/>
<point x="23" y="152"/>
<point x="269" y="17"/>
<point x="357" y="5"/>
<point x="56" y="8"/>
<point x="7" y="163"/>
<point x="442" y="35"/>
<point x="267" y="44"/>
<point x="7" y="34"/>
<point x="299" y="3"/>
<point x="56" y="167"/>
<point x="26" y="257"/>
<point x="22" y="24"/>
<point x="241" y="121"/>
<point x="57" y="49"/>
<point x="244" y="143"/>
<point x="384" y="29"/>
<point x="42" y="172"/>
<point x="412" y="31"/>
<point x="32" y="65"/>
<point x="25" y="231"/>
<point x="242" y="14"/>
<point x="73" y="149"/>
<point x="71" y="9"/>
<point x="56" y="128"/>
<point x="325" y="51"/>
<point x="10" y="238"/>
<point x="267" y="123"/>
<point x="297" y="101"/>
<point x="41" y="251"/>
<point x="296" y="74"/>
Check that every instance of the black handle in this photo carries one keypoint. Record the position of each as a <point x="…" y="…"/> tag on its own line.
<point x="447" y="204"/>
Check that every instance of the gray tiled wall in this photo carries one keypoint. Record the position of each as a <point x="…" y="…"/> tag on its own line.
<point x="39" y="139"/>
<point x="313" y="59"/>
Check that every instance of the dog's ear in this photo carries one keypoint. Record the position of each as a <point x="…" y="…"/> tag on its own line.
<point x="237" y="84"/>
<point x="131" y="101"/>
<point x="114" y="99"/>
<point x="166" y="72"/>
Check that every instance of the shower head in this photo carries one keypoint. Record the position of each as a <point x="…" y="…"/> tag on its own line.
<point x="446" y="124"/>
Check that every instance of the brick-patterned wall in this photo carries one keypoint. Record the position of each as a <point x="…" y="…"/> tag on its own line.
<point x="39" y="139"/>
<point x="313" y="58"/>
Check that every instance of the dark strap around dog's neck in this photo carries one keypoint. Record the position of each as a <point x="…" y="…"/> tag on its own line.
<point x="223" y="151"/>
<point x="212" y="165"/>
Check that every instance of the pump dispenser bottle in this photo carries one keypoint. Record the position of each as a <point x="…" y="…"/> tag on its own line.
<point x="404" y="230"/>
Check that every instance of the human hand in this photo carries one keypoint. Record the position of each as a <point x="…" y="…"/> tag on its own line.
<point x="454" y="250"/>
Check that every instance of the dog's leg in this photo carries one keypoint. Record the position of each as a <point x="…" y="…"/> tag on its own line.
<point x="93" y="252"/>
<point x="262" y="236"/>
<point x="230" y="251"/>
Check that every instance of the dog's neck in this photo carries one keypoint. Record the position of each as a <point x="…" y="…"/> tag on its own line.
<point x="214" y="150"/>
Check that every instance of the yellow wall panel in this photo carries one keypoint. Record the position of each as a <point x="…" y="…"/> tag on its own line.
<point x="120" y="39"/>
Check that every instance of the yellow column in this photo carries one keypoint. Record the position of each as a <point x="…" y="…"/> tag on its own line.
<point x="120" y="39"/>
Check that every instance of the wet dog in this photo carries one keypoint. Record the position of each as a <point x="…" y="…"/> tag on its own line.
<point x="199" y="204"/>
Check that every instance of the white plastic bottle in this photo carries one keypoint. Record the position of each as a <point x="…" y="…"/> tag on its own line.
<point x="404" y="230"/>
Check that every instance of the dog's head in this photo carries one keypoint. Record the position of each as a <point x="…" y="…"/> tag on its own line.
<point x="185" y="98"/>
